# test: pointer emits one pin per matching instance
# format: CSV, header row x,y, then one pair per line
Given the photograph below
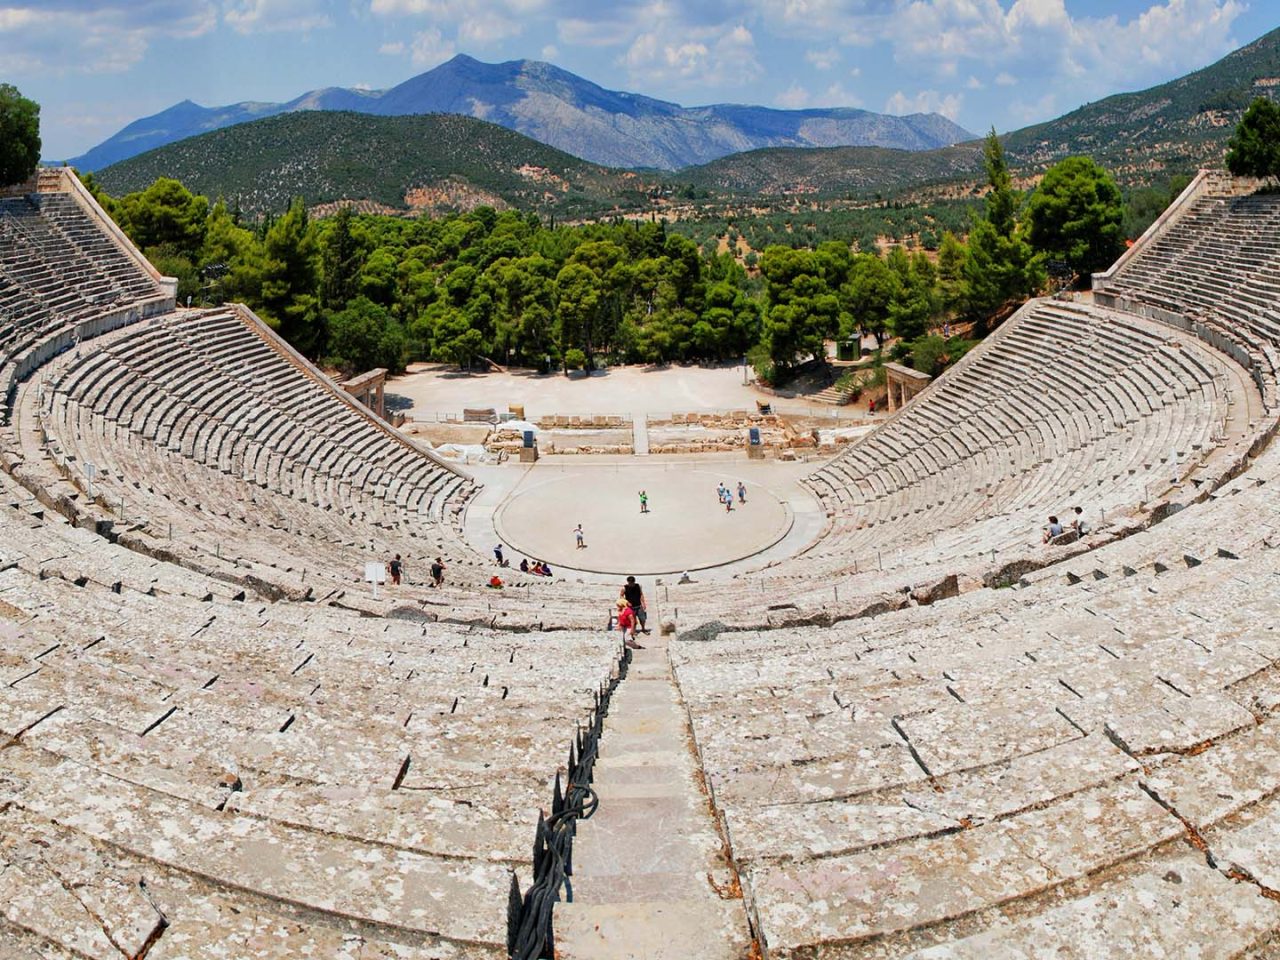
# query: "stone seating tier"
x,y
865,769
1218,265
158,726
964,478
62,278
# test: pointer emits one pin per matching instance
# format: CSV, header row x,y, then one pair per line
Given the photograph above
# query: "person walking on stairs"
x,y
627,624
633,594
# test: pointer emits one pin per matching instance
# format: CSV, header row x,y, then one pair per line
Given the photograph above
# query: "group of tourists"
x,y
725,496
536,567
395,571
1054,528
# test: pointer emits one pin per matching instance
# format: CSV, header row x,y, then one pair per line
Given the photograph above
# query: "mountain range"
x,y
1143,138
442,161
562,110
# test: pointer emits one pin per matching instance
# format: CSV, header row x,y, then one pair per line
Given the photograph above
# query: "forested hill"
x,y
834,171
425,162
1176,126
1143,138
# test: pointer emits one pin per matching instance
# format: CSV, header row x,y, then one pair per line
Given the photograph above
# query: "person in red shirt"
x,y
627,624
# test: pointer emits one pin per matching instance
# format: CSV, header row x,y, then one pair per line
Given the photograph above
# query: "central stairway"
x,y
651,878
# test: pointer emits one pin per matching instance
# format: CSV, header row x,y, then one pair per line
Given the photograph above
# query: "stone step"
x,y
650,875
650,930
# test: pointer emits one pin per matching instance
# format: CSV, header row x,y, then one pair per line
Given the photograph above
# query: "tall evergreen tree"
x,y
1000,267
289,280
340,262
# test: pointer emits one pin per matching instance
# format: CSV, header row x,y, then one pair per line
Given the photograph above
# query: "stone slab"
x,y
1253,850
1178,723
1180,909
651,931
462,900
1222,780
903,886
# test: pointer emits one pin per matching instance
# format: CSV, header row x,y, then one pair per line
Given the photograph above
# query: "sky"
x,y
96,65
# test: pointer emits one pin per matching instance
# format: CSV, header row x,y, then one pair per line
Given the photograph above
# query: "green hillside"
x,y
833,171
1142,137
429,162
1175,127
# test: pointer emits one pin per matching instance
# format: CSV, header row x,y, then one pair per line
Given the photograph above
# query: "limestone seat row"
x,y
247,760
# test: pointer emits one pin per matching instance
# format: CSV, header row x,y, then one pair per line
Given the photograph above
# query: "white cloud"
x,y
837,96
585,32
794,97
550,52
1033,111
675,54
1006,79
475,23
273,16
483,31
60,36
973,83
1035,40
393,49
430,49
823,59
925,101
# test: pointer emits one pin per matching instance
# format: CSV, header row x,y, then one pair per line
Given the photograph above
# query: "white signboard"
x,y
375,573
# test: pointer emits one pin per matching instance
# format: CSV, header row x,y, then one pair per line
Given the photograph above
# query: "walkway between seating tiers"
x,y
640,434
651,878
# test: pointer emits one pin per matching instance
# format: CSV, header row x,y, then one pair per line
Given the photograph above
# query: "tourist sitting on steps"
x,y
1054,529
1079,524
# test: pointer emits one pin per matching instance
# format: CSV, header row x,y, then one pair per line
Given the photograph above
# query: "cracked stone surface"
x,y
1180,909
236,752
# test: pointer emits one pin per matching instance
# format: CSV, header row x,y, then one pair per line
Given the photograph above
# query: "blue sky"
x,y
95,65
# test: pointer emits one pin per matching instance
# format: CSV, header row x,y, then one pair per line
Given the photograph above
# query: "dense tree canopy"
x,y
367,290
1254,147
1077,215
19,135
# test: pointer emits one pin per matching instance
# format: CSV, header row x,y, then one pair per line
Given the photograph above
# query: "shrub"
x,y
759,359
